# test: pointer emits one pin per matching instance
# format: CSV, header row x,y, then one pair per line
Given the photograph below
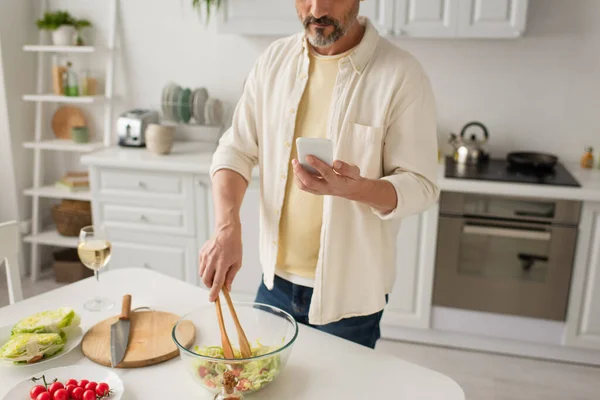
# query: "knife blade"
x,y
119,333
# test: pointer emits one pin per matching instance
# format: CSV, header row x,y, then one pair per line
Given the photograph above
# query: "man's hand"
x,y
344,180
221,259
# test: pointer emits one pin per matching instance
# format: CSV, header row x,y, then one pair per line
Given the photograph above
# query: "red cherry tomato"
x,y
102,389
82,383
61,394
89,395
202,371
70,388
55,386
91,386
77,393
44,396
71,382
36,391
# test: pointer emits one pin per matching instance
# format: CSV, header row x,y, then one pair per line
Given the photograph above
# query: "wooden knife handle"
x,y
126,308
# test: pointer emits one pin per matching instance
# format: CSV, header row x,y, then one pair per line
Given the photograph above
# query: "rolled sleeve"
x,y
410,151
238,147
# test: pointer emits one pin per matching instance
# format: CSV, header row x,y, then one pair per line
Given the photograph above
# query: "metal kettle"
x,y
469,150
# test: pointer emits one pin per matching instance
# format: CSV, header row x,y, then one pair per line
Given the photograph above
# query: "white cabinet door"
x,y
249,277
426,18
259,17
279,18
380,13
583,315
492,18
409,304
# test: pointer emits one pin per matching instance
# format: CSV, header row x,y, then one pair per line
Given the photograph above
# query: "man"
x,y
327,244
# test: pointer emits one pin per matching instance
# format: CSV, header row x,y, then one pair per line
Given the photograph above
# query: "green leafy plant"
x,y
208,5
54,20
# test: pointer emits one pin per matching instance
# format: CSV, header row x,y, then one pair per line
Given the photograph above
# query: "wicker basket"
x,y
69,219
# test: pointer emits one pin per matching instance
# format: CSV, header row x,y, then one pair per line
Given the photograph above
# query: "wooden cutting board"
x,y
150,340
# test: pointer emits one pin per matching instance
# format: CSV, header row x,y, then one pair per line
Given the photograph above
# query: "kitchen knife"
x,y
119,333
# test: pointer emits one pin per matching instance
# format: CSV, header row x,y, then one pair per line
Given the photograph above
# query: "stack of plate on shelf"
x,y
191,106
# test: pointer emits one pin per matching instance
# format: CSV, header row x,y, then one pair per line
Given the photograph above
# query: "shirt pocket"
x,y
362,146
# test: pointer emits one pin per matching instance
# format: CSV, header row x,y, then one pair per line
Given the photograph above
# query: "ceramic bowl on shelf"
x,y
159,138
271,332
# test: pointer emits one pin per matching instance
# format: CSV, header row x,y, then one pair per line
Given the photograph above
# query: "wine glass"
x,y
94,253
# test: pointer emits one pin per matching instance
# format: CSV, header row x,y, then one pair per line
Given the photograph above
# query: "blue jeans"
x,y
295,300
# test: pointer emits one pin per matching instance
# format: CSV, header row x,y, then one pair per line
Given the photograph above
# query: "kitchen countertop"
x,y
321,366
195,157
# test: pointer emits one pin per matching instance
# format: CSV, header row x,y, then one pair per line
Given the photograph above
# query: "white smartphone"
x,y
319,148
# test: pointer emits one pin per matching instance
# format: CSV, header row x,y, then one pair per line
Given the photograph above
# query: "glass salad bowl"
x,y
270,331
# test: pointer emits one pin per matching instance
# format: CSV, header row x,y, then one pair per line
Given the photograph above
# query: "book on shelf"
x,y
74,182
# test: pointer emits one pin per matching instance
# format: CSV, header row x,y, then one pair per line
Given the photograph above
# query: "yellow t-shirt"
x,y
302,212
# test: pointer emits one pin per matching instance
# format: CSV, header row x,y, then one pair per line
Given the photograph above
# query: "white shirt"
x,y
382,119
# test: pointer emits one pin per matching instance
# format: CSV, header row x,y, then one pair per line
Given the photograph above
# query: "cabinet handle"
x,y
142,184
146,265
143,218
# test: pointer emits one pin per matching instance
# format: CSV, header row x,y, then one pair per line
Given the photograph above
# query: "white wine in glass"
x,y
94,253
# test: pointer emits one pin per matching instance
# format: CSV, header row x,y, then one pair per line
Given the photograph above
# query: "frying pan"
x,y
531,160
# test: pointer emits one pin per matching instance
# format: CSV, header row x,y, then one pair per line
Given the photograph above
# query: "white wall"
x,y
540,92
16,29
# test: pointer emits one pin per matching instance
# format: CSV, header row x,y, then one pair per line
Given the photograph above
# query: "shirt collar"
x,y
362,53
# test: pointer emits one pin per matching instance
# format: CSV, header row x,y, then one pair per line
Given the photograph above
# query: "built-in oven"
x,y
505,255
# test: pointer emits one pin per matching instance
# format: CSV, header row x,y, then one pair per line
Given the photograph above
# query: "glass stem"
x,y
97,276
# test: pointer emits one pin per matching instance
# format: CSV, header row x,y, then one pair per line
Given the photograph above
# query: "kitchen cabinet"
x,y
426,18
492,18
393,18
583,316
409,304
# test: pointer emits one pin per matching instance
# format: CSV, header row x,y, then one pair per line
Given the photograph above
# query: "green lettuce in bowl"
x,y
54,321
32,347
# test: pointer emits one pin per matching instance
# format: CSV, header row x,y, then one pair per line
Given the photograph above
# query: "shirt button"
x,y
274,242
283,176
292,110
303,76
287,144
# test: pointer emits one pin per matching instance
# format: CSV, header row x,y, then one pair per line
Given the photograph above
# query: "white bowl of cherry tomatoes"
x,y
69,383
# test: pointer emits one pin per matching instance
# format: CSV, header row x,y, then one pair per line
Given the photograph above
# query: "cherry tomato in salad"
x,y
55,386
44,396
102,389
82,383
89,395
202,371
91,386
70,388
71,382
61,394
77,393
36,391
210,384
243,385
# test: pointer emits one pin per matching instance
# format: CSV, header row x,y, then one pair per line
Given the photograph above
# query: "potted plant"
x,y
63,27
208,5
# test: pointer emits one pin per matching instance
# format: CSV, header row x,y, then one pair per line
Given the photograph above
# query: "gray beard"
x,y
319,40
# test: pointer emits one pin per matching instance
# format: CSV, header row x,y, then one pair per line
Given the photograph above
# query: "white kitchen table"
x,y
321,366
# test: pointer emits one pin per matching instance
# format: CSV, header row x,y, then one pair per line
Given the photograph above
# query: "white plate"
x,y
74,336
199,102
92,373
213,112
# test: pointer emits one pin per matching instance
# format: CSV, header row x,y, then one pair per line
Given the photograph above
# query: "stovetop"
x,y
499,170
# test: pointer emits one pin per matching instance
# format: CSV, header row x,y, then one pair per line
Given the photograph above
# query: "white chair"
x,y
9,253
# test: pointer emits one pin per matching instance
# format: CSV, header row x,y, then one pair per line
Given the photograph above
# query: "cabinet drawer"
x,y
146,218
132,182
167,260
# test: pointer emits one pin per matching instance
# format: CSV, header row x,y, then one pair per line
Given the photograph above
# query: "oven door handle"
x,y
506,232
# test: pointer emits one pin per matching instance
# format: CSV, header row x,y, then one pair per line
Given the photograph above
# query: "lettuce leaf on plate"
x,y
47,322
29,346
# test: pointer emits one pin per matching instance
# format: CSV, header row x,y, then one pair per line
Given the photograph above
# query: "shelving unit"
x,y
52,98
64,145
48,48
48,235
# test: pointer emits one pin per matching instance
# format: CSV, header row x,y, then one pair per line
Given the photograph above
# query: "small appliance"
x,y
132,125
